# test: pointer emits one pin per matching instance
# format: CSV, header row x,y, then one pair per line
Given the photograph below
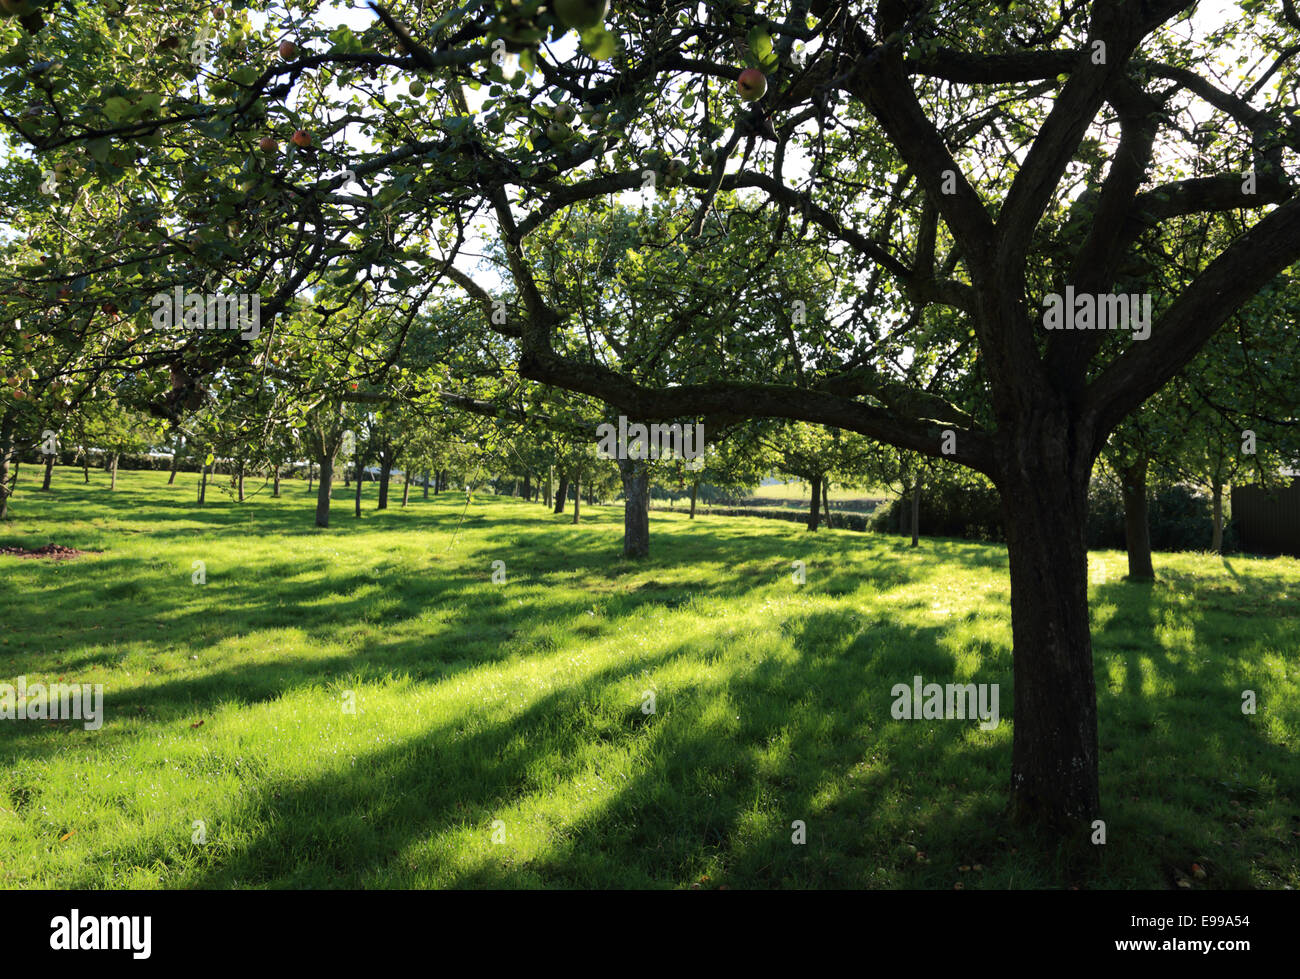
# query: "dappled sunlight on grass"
x,y
362,706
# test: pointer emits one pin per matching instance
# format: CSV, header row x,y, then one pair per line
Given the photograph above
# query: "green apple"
x,y
581,14
15,8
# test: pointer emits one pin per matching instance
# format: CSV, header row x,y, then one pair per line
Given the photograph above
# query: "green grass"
x,y
841,495
521,702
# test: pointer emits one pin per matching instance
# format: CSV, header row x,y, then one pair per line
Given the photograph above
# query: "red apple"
x,y
302,138
288,49
267,144
751,85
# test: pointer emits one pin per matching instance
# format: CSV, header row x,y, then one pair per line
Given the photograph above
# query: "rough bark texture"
x,y
636,507
275,489
916,512
1054,748
6,455
326,483
562,493
426,484
359,463
1216,541
385,474
814,511
1137,525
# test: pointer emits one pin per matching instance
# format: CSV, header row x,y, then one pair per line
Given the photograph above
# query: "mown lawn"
x,y
521,703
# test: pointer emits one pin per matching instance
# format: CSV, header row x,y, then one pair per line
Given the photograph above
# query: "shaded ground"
x,y
364,706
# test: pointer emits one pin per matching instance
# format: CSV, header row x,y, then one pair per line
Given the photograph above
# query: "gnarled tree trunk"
x,y
1216,541
6,458
385,474
562,493
814,511
1137,524
324,487
359,465
636,507
1054,748
916,512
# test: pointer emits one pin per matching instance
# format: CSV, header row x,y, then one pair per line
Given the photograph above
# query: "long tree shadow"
x,y
686,809
1180,758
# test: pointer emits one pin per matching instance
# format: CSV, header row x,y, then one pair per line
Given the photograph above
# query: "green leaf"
x,y
117,108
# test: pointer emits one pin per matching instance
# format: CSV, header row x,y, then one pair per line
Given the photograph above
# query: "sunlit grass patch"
x,y
362,706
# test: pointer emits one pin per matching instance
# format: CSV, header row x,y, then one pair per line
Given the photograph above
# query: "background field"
x,y
521,702
796,493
